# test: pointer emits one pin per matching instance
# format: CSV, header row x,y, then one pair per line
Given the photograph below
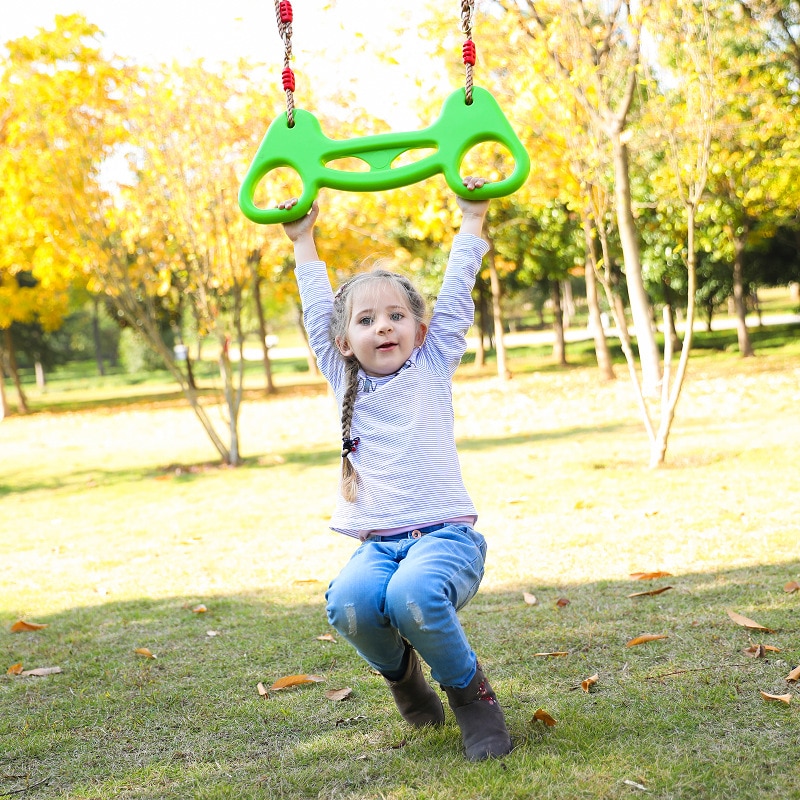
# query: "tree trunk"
x,y
38,369
639,302
602,353
14,370
745,347
262,333
4,409
98,344
497,315
480,349
559,347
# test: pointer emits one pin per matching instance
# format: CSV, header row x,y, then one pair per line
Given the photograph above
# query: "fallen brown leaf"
x,y
781,698
649,576
589,682
644,638
143,651
339,694
746,622
201,609
562,601
327,637
540,715
651,593
793,676
262,690
40,672
791,587
14,669
530,599
295,680
20,625
554,653
760,650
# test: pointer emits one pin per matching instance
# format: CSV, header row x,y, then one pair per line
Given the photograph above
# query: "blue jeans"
x,y
400,587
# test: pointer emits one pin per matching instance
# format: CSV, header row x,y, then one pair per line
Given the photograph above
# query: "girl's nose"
x,y
384,324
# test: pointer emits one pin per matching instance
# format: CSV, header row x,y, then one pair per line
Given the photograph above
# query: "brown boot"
x,y
414,697
483,726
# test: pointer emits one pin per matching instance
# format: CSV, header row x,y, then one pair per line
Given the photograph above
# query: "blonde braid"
x,y
349,474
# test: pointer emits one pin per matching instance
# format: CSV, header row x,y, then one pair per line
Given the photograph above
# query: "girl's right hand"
x,y
295,230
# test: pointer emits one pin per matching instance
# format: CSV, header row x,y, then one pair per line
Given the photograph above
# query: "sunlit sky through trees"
x,y
332,40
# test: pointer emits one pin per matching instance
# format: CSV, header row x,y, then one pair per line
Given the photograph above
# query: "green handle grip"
x,y
306,149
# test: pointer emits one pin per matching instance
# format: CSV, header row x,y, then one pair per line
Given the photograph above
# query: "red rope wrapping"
x,y
288,79
284,16
285,10
469,52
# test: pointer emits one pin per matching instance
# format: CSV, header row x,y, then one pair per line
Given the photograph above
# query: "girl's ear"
x,y
344,347
422,332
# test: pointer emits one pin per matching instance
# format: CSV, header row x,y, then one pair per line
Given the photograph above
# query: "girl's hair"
x,y
340,319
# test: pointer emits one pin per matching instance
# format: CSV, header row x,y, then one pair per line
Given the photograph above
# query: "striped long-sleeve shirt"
x,y
409,475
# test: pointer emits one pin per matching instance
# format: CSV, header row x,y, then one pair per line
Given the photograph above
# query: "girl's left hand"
x,y
473,207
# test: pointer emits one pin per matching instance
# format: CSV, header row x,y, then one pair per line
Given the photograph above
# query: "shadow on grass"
x,y
681,715
188,472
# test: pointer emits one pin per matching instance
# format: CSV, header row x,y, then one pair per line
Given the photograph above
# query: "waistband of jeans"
x,y
415,533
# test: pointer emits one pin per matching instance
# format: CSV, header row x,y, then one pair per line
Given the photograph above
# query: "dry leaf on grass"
x,y
553,653
644,638
201,609
540,715
40,672
760,650
20,625
792,587
339,694
295,680
781,698
649,576
326,637
530,599
14,669
635,785
262,690
746,622
589,682
144,652
651,593
562,601
793,676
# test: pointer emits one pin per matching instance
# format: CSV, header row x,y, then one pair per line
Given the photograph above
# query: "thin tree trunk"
x,y
480,349
745,347
262,333
639,301
601,350
497,316
14,370
559,347
98,344
4,409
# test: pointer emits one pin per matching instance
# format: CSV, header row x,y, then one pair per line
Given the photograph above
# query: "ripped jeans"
x,y
411,588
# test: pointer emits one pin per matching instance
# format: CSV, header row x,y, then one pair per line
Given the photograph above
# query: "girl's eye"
x,y
365,321
396,316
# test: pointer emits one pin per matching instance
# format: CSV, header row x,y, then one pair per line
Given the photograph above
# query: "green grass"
x,y
115,524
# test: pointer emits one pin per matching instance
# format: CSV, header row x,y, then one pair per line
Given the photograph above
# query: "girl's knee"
x,y
350,607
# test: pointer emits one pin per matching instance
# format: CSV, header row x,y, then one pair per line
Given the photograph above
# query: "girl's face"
x,y
382,331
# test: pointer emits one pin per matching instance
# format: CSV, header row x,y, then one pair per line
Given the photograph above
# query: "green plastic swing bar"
x,y
305,149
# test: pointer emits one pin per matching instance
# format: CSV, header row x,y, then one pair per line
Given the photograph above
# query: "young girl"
x,y
402,494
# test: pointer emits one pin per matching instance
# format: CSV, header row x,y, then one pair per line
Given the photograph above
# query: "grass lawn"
x,y
115,527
